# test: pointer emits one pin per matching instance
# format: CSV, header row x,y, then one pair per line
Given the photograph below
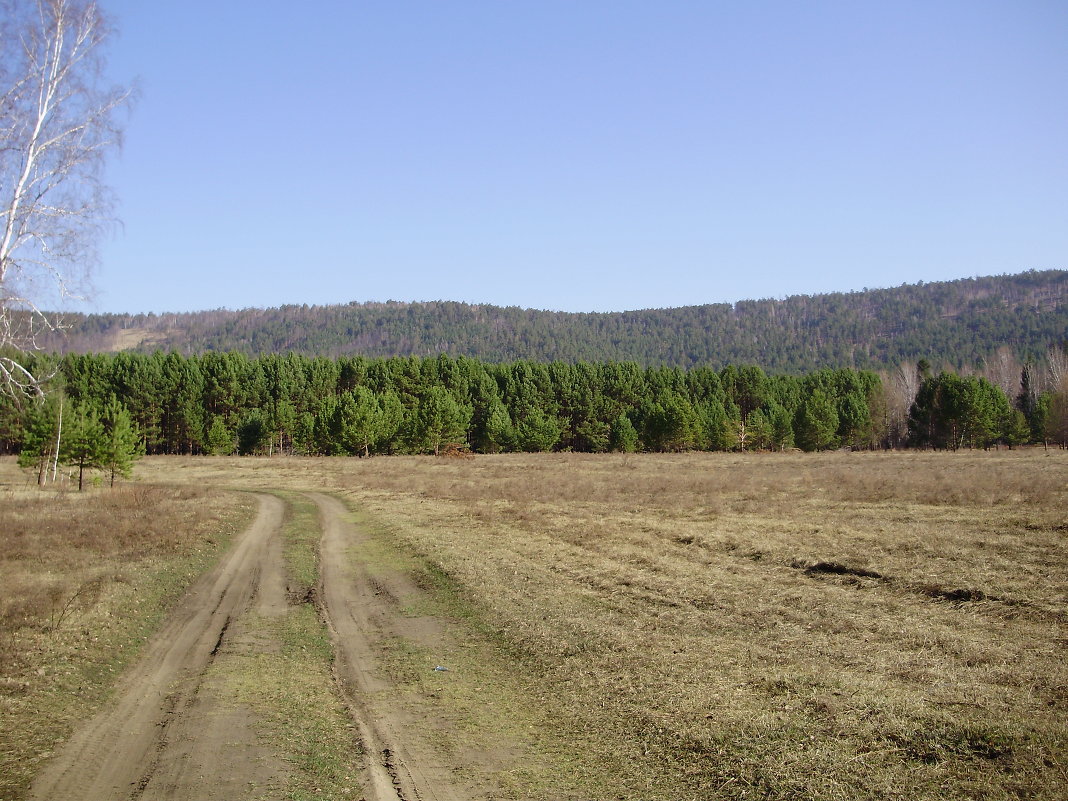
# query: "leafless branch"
x,y
57,125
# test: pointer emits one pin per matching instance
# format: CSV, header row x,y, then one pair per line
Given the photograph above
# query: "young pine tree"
x,y
40,437
84,442
498,433
816,422
219,440
439,420
252,433
123,444
357,420
623,437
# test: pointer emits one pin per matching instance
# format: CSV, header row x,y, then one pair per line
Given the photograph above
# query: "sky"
x,y
581,155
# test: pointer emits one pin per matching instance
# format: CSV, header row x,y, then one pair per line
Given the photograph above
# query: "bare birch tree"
x,y
1057,365
900,388
57,125
1003,369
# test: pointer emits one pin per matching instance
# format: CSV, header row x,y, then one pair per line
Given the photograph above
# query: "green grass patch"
x,y
299,716
301,535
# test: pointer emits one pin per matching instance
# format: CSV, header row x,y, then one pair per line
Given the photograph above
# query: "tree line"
x,y
225,403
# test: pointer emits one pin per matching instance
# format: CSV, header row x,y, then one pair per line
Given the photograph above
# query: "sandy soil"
x,y
171,733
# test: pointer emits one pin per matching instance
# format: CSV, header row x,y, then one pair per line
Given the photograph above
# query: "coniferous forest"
x,y
955,323
224,403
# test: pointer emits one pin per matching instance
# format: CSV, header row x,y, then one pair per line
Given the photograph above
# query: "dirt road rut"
x,y
359,610
139,746
167,733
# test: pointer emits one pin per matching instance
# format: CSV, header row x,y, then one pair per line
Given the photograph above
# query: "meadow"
x,y
825,626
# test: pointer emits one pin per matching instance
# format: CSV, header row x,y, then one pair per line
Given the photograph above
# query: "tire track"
x,y
128,750
401,767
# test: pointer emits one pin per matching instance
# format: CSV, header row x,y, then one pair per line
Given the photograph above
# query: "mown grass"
x,y
751,626
86,578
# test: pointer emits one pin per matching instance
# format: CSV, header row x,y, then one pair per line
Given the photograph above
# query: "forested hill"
x,y
956,323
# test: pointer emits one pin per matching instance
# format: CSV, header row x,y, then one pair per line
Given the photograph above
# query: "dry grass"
x,y
86,577
737,626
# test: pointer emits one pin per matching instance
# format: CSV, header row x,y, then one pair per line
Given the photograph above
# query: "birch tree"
x,y
57,125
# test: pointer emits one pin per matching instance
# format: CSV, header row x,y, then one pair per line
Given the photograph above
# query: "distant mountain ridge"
x,y
958,323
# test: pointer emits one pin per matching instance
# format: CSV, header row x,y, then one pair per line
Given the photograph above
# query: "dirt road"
x,y
171,733
147,743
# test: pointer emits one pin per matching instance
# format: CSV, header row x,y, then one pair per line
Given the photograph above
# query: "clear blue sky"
x,y
581,155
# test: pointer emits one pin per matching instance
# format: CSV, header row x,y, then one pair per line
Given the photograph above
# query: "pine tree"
x,y
499,433
1015,429
84,442
817,422
358,418
182,412
623,436
1027,400
439,420
252,433
390,422
123,444
40,432
854,418
537,431
782,429
718,424
592,436
323,439
219,440
758,431
1056,418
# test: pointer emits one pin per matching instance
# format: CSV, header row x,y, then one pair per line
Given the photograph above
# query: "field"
x,y
835,626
